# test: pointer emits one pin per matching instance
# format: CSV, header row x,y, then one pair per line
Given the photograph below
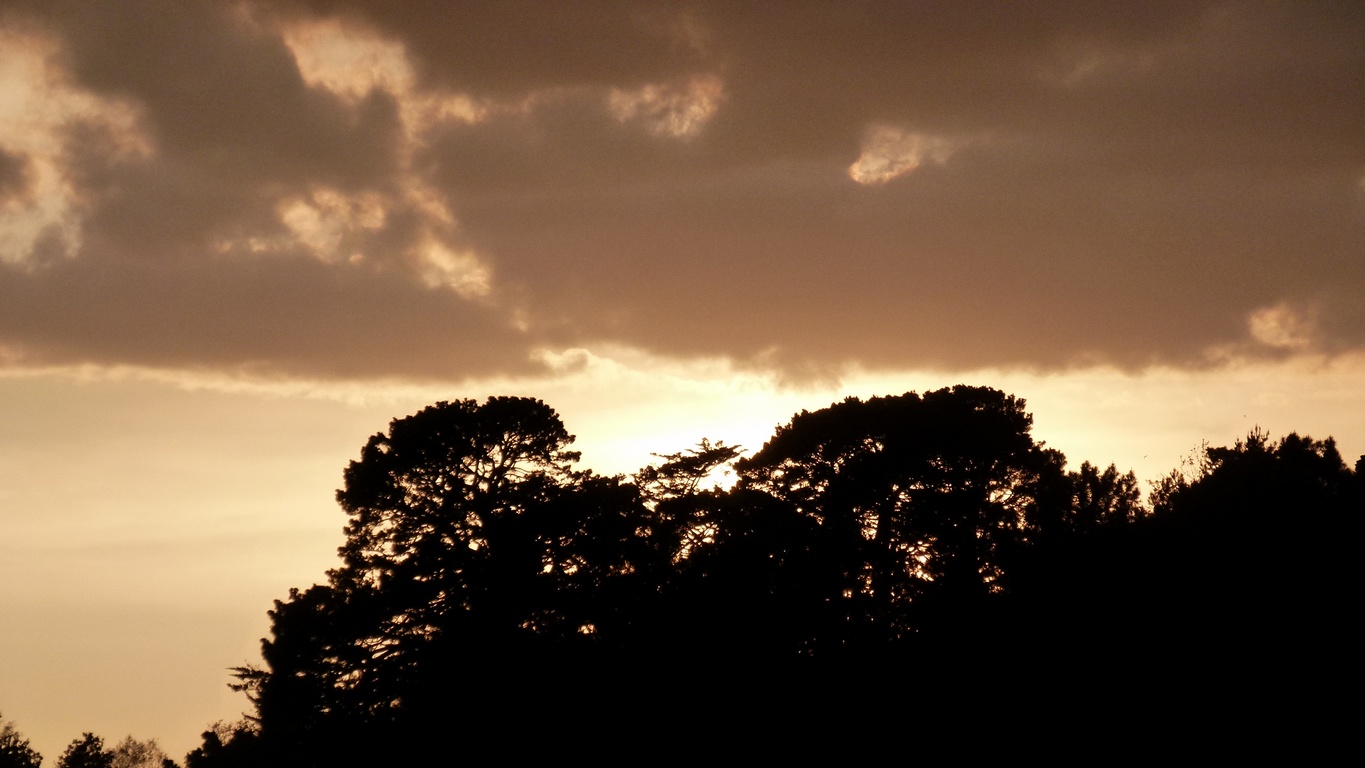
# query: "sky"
x,y
237,238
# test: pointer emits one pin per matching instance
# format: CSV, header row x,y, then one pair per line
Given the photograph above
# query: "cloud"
x,y
269,316
504,51
888,152
668,110
14,176
903,186
197,204
352,61
1282,327
40,220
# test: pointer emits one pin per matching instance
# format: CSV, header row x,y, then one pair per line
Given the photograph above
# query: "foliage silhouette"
x,y
921,500
1100,499
132,753
483,573
86,752
230,745
15,751
472,541
1248,560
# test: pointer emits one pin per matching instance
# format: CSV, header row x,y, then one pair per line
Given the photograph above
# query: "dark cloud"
x,y
1133,182
272,317
15,175
184,259
507,49
223,97
1128,183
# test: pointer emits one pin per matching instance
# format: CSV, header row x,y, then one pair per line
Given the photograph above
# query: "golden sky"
x,y
236,238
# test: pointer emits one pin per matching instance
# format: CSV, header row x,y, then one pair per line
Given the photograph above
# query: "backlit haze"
x,y
236,239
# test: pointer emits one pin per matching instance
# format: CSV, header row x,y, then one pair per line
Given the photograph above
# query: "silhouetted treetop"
x,y
471,539
86,752
681,474
1103,498
1261,474
900,529
435,484
15,751
1248,562
926,494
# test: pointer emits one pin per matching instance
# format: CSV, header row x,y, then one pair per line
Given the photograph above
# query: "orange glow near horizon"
x,y
148,498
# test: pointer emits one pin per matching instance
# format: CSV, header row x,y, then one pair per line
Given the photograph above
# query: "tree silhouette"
x,y
920,500
15,751
472,541
1248,559
1102,498
86,752
681,474
230,745
483,576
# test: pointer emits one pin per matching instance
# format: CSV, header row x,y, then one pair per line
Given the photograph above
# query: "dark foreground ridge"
x,y
898,556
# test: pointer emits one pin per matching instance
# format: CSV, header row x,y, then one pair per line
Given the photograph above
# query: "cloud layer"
x,y
437,191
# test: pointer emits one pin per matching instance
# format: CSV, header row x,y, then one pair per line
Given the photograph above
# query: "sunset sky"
x,y
237,238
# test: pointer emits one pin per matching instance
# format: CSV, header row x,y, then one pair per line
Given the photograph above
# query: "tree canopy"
x,y
86,752
922,498
15,751
887,529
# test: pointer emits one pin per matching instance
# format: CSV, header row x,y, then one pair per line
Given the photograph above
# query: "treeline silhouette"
x,y
88,751
880,557
905,543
